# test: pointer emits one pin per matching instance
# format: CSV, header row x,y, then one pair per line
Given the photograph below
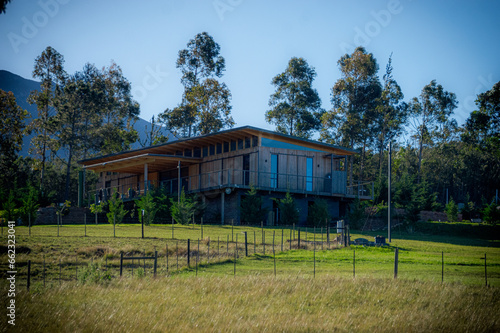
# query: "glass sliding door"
x,y
309,174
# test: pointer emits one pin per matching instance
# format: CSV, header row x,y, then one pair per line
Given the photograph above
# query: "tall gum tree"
x,y
296,106
49,70
429,116
352,119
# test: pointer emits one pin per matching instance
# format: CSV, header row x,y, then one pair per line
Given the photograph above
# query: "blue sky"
x,y
453,42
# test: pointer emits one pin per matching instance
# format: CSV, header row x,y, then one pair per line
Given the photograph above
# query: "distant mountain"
x,y
22,87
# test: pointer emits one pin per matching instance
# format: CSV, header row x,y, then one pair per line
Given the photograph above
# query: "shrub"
x,y
93,273
182,211
491,213
146,203
251,209
452,211
289,213
318,214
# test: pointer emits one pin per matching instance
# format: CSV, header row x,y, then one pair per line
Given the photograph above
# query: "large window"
x,y
274,171
246,169
309,174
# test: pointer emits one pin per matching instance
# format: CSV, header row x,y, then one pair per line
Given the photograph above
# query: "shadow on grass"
x,y
467,234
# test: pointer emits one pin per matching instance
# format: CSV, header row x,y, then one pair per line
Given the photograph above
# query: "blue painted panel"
x,y
285,145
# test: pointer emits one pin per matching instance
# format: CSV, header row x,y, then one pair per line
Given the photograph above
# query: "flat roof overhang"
x,y
135,164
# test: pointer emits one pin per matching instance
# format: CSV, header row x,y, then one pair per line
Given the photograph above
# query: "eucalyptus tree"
x,y
205,104
430,116
352,120
49,70
296,106
391,113
12,129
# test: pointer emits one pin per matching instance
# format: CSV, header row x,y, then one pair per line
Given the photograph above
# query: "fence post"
x,y
314,255
29,275
442,266
396,255
282,233
156,261
246,245
354,264
485,273
189,250
121,264
44,271
298,239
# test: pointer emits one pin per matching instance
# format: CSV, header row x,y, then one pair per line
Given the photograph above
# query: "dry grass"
x,y
260,304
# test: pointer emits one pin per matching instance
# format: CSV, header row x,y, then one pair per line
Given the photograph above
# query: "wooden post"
x,y
198,257
282,234
314,254
274,256
155,264
298,239
142,224
121,264
236,243
188,251
485,272
321,238
442,266
396,255
246,245
254,243
29,275
354,264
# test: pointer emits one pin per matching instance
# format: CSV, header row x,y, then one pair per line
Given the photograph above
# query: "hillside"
x,y
22,87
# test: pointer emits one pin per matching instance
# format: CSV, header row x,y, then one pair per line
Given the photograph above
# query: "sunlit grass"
x,y
260,303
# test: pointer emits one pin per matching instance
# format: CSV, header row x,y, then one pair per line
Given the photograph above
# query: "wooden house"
x,y
221,167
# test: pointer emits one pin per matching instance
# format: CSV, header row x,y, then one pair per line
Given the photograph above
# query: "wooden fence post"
x,y
485,273
29,275
156,263
396,257
121,264
188,252
246,245
314,254
354,264
442,266
282,233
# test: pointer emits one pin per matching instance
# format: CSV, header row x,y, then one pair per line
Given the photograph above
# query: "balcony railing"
x,y
333,184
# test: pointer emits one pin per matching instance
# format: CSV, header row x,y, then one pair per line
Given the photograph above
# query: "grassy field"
x,y
306,289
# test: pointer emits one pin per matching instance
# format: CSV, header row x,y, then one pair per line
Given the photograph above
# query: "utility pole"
x,y
389,167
